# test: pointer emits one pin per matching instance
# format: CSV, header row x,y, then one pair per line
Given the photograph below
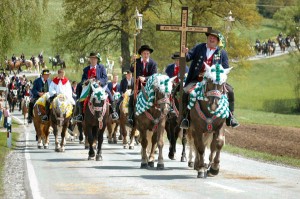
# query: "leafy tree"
x,y
19,19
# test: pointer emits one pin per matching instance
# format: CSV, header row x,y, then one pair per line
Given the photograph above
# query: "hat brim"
x,y
214,34
143,49
92,57
175,57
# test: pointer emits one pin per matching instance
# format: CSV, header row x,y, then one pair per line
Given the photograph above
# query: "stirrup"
x,y
114,116
44,118
185,123
234,123
78,118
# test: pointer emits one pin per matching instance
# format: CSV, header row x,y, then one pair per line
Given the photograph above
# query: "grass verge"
x,y
262,156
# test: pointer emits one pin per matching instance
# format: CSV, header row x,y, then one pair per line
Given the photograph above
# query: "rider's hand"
x,y
40,93
186,50
142,79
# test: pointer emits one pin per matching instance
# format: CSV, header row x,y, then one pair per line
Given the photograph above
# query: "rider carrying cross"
x,y
211,53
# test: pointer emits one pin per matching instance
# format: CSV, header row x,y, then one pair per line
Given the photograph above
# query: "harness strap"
x,y
209,121
155,121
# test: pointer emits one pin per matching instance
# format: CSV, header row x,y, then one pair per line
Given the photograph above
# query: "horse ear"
x,y
227,70
93,88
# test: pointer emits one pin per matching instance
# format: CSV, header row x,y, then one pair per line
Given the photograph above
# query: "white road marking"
x,y
36,194
225,187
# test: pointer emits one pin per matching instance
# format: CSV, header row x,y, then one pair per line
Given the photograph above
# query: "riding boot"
x,y
47,109
185,123
30,112
231,121
114,114
79,117
130,119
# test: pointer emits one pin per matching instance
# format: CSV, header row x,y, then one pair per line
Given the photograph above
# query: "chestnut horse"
x,y
208,110
60,115
151,113
41,128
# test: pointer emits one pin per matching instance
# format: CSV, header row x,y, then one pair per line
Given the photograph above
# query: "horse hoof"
x,y
46,147
144,165
91,158
62,150
213,172
160,166
120,137
86,147
57,150
81,142
110,142
171,156
183,159
98,157
125,147
115,141
202,174
131,147
151,164
191,164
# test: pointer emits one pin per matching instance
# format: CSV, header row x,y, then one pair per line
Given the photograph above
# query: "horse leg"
x,y
100,141
144,143
199,160
109,129
184,141
79,127
123,133
63,137
216,146
55,131
171,138
131,137
46,138
160,144
91,142
115,141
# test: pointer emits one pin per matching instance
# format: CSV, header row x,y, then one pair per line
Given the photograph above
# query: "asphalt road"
x,y
71,175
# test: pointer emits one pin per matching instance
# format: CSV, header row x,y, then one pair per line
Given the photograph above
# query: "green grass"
x,y
4,150
262,156
268,85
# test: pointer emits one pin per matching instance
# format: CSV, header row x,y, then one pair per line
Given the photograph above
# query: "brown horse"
x,y
12,67
41,128
28,64
112,125
151,113
96,114
207,117
123,123
25,105
12,98
60,115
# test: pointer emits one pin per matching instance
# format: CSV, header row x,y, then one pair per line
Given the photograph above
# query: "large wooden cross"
x,y
183,29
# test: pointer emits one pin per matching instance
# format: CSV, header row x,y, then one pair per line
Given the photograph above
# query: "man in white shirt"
x,y
59,84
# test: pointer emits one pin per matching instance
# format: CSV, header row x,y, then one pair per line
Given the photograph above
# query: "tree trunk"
x,y
125,50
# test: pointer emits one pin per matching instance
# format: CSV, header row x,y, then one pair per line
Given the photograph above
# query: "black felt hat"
x,y
145,47
45,72
93,55
127,72
176,55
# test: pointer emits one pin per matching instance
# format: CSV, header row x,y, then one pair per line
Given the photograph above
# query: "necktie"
x,y
46,86
145,66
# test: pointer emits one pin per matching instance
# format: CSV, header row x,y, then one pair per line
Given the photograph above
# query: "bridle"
x,y
102,109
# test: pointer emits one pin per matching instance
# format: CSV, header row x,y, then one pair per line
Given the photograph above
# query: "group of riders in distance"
x,y
34,63
268,48
94,104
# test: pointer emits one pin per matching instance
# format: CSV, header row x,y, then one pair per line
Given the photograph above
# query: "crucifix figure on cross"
x,y
184,28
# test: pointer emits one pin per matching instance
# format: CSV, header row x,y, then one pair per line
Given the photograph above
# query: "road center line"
x,y
225,187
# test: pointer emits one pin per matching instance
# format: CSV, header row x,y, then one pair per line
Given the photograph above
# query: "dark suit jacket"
x,y
198,56
38,86
151,68
100,72
124,85
170,70
110,87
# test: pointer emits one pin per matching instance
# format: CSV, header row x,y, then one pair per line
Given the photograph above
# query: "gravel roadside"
x,y
15,176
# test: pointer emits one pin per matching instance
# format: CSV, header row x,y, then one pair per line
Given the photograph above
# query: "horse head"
x,y
61,108
97,103
215,78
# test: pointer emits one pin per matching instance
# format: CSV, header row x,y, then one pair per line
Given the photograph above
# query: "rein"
x,y
209,121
